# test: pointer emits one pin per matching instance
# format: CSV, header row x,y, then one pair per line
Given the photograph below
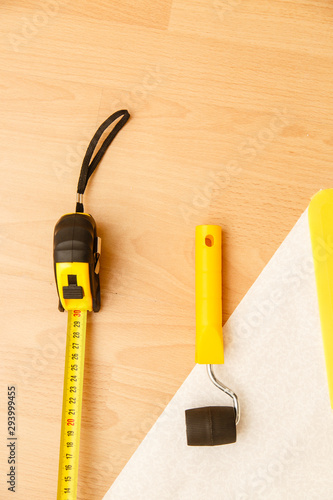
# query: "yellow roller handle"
x,y
208,292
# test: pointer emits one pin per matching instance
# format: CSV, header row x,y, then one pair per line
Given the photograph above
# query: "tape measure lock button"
x,y
72,290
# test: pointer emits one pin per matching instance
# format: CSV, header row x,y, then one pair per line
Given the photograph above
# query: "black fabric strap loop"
x,y
89,165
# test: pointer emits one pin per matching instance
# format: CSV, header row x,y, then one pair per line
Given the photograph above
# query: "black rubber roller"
x,y
210,426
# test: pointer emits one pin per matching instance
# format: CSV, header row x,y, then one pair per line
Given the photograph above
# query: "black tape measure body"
x,y
75,243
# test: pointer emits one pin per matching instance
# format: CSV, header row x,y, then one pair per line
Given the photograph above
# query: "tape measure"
x,y
76,255
76,264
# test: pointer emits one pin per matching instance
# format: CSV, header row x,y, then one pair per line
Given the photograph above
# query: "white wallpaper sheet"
x,y
274,361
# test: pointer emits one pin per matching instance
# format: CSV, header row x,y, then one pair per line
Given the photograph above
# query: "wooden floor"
x,y
231,108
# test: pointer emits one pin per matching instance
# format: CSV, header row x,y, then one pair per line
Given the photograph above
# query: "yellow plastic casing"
x,y
208,291
81,270
321,230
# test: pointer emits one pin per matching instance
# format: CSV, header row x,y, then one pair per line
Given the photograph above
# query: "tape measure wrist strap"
x,y
89,165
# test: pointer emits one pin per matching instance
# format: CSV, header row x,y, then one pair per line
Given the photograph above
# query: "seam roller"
x,y
212,425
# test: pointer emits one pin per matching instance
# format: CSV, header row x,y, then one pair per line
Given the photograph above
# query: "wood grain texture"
x,y
231,106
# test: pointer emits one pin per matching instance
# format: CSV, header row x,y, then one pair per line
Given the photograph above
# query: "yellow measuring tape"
x,y
72,404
